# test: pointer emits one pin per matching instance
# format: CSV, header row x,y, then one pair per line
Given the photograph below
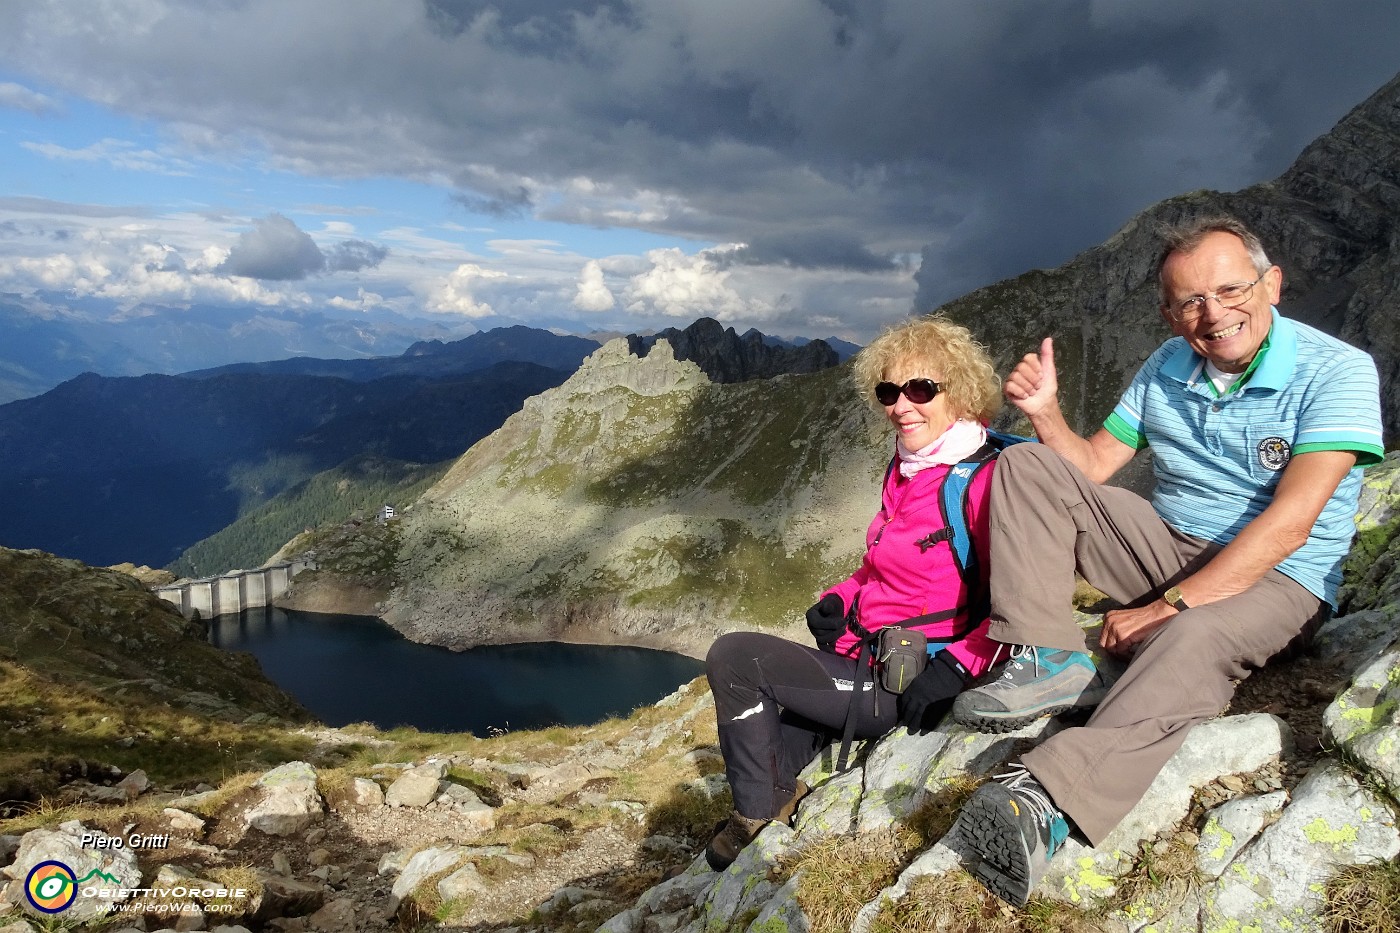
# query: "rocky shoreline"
x,y
440,624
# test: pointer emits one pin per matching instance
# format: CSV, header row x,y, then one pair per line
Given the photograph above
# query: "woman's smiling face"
x,y
922,424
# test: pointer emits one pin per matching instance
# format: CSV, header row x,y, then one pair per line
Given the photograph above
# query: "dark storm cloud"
x,y
275,249
990,137
531,26
806,250
354,255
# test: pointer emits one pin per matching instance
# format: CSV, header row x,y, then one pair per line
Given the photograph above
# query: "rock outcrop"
x,y
725,356
91,652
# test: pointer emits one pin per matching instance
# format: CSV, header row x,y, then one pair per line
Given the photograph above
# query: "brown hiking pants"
x,y
1049,520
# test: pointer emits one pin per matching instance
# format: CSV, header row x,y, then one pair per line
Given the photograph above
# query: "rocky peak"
x,y
617,365
728,357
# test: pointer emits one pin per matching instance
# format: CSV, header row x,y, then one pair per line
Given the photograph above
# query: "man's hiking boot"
x,y
1036,682
1014,826
733,834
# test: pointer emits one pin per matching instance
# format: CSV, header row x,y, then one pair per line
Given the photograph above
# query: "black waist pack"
x,y
902,654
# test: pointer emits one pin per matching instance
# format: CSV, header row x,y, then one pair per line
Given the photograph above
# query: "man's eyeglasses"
x,y
917,391
1229,296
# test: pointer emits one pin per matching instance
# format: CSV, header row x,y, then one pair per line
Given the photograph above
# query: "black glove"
x,y
827,620
924,702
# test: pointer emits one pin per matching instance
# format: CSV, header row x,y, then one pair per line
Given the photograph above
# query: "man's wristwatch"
x,y
1173,598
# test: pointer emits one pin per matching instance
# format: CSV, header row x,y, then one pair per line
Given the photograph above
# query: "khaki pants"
x,y
1048,520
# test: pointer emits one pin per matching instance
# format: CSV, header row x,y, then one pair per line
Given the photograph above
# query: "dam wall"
x,y
232,592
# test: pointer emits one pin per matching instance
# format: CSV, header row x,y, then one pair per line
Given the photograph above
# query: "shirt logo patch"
x,y
1274,453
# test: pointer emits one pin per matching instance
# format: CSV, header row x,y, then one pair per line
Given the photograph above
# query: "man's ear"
x,y
1273,280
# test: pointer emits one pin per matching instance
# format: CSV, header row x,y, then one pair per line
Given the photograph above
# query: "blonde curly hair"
x,y
930,346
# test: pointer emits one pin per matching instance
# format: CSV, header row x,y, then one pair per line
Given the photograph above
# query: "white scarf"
x,y
953,446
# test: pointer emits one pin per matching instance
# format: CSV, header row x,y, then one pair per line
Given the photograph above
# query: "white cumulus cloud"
x,y
456,293
682,286
593,293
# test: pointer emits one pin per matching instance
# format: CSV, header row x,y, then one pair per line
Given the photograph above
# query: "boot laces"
x,y
1020,654
1030,791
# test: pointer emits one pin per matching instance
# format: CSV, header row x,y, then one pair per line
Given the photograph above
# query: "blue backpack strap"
x,y
953,503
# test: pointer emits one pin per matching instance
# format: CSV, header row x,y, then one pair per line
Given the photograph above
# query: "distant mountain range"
x,y
111,469
844,348
46,342
140,468
722,354
432,359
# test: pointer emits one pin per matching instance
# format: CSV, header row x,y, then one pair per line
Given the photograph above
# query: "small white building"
x,y
386,513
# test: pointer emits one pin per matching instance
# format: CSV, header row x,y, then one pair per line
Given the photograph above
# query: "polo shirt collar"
x,y
1275,367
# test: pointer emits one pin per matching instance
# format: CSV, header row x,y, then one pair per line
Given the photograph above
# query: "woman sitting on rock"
x,y
777,702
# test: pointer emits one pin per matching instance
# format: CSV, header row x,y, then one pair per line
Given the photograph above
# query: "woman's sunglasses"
x,y
917,391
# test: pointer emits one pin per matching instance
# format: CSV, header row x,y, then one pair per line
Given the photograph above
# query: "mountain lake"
x,y
348,669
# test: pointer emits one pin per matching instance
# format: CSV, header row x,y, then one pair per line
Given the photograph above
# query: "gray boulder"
x,y
1364,720
1276,881
366,794
420,867
1232,826
289,801
416,787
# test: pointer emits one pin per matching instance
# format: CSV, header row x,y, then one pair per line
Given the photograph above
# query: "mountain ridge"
x,y
434,358
590,485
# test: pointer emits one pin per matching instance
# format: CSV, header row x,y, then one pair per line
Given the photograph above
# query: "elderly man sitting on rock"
x,y
1258,427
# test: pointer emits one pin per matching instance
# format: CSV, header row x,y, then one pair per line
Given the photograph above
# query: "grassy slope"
x,y
89,659
361,484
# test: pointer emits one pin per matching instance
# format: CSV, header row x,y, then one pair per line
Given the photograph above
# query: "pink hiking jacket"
x,y
902,576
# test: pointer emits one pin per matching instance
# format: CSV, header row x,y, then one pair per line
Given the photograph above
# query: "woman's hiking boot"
x,y
733,834
1036,682
789,809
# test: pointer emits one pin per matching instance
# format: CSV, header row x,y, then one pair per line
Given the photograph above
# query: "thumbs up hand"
x,y
1032,386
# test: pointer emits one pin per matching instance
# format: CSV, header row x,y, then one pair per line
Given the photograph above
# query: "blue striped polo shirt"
x,y
1218,459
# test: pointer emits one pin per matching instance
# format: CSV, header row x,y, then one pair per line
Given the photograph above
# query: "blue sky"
x,y
804,167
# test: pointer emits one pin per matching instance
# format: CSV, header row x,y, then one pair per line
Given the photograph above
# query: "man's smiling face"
x,y
1228,337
